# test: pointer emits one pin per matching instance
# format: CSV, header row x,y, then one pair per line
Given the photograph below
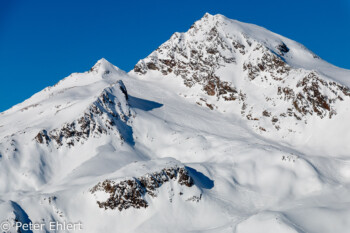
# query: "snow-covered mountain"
x,y
275,83
227,127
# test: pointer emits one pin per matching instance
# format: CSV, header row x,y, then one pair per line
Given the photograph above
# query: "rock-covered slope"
x,y
262,74
110,113
133,192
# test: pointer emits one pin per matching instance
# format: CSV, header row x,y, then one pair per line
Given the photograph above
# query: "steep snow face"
x,y
274,83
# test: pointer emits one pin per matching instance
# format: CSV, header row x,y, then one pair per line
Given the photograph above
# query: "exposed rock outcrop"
x,y
110,113
131,192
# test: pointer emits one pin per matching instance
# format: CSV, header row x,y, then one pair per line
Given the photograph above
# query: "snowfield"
x,y
227,127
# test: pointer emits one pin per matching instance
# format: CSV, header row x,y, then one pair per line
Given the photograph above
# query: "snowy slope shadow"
x,y
201,180
126,132
142,104
136,103
21,216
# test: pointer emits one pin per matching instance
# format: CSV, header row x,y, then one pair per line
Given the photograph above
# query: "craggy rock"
x,y
42,137
195,63
315,96
131,192
283,48
102,117
267,62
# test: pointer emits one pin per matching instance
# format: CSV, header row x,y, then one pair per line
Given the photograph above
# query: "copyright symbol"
x,y
5,226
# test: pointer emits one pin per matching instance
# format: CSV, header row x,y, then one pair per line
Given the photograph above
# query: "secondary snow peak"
x,y
104,67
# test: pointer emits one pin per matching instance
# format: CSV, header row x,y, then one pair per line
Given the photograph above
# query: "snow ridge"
x,y
110,113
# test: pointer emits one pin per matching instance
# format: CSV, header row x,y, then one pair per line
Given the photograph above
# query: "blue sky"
x,y
44,41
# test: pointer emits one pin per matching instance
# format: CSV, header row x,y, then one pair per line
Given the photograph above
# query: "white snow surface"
x,y
248,181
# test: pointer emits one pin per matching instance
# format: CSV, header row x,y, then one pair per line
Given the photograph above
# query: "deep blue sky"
x,y
44,41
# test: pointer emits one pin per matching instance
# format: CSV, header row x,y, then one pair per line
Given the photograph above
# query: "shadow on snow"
x,y
137,103
142,104
201,180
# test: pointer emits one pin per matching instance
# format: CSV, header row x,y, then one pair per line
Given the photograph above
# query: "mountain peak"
x,y
226,58
206,15
104,67
210,20
216,16
103,60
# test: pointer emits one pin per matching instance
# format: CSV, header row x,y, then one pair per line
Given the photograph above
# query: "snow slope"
x,y
188,141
